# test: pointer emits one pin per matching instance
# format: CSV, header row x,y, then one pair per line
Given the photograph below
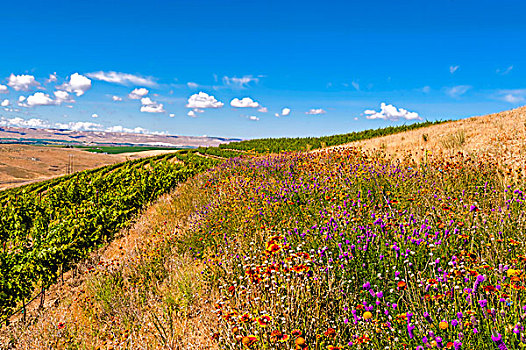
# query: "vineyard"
x,y
342,249
47,227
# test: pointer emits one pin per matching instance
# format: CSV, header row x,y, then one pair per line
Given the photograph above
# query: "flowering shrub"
x,y
343,249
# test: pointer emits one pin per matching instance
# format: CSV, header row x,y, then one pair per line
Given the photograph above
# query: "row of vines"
x,y
47,227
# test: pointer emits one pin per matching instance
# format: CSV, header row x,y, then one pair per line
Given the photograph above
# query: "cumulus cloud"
x,y
171,115
37,99
3,89
21,98
62,96
19,122
192,85
191,114
52,78
116,98
137,94
5,103
390,112
149,106
263,110
457,91
122,78
120,128
79,126
22,82
245,102
253,117
316,111
239,83
285,111
453,69
94,115
203,100
78,84
512,96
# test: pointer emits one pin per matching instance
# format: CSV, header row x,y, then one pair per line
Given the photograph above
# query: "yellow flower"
x,y
512,272
443,325
367,315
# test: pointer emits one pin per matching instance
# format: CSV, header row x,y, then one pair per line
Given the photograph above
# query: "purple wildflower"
x,y
498,341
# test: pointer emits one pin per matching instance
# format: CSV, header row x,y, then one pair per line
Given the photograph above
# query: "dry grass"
x,y
142,291
501,135
22,164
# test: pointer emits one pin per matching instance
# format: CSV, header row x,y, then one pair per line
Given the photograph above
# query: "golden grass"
x,y
500,135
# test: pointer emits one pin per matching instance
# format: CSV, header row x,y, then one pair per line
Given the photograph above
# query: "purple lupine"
x,y
498,341
454,323
409,316
457,344
410,329
480,278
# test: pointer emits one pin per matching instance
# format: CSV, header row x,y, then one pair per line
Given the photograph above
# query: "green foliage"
x,y
46,228
276,145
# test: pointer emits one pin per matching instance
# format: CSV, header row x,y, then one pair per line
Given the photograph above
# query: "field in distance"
x,y
22,164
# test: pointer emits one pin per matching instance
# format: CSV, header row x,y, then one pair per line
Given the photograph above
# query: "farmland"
x,y
342,248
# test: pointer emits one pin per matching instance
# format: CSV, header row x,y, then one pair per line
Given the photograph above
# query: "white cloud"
x,y
122,78
62,96
3,89
22,82
171,115
78,84
136,94
31,123
116,98
52,78
356,85
5,103
239,83
285,111
253,117
79,126
38,99
426,89
245,102
191,114
203,100
453,69
512,96
457,91
263,110
390,112
21,98
504,71
149,106
94,115
192,85
120,128
316,111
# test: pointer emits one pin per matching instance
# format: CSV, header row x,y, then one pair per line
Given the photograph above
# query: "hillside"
x,y
501,136
401,241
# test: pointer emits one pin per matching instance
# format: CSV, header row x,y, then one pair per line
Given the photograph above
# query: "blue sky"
x,y
329,64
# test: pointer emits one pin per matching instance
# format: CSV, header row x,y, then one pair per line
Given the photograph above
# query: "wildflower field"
x,y
345,249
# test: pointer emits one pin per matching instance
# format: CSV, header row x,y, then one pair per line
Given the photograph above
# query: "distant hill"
x,y
36,136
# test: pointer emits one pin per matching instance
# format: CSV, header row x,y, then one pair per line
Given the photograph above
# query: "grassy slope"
x,y
89,311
